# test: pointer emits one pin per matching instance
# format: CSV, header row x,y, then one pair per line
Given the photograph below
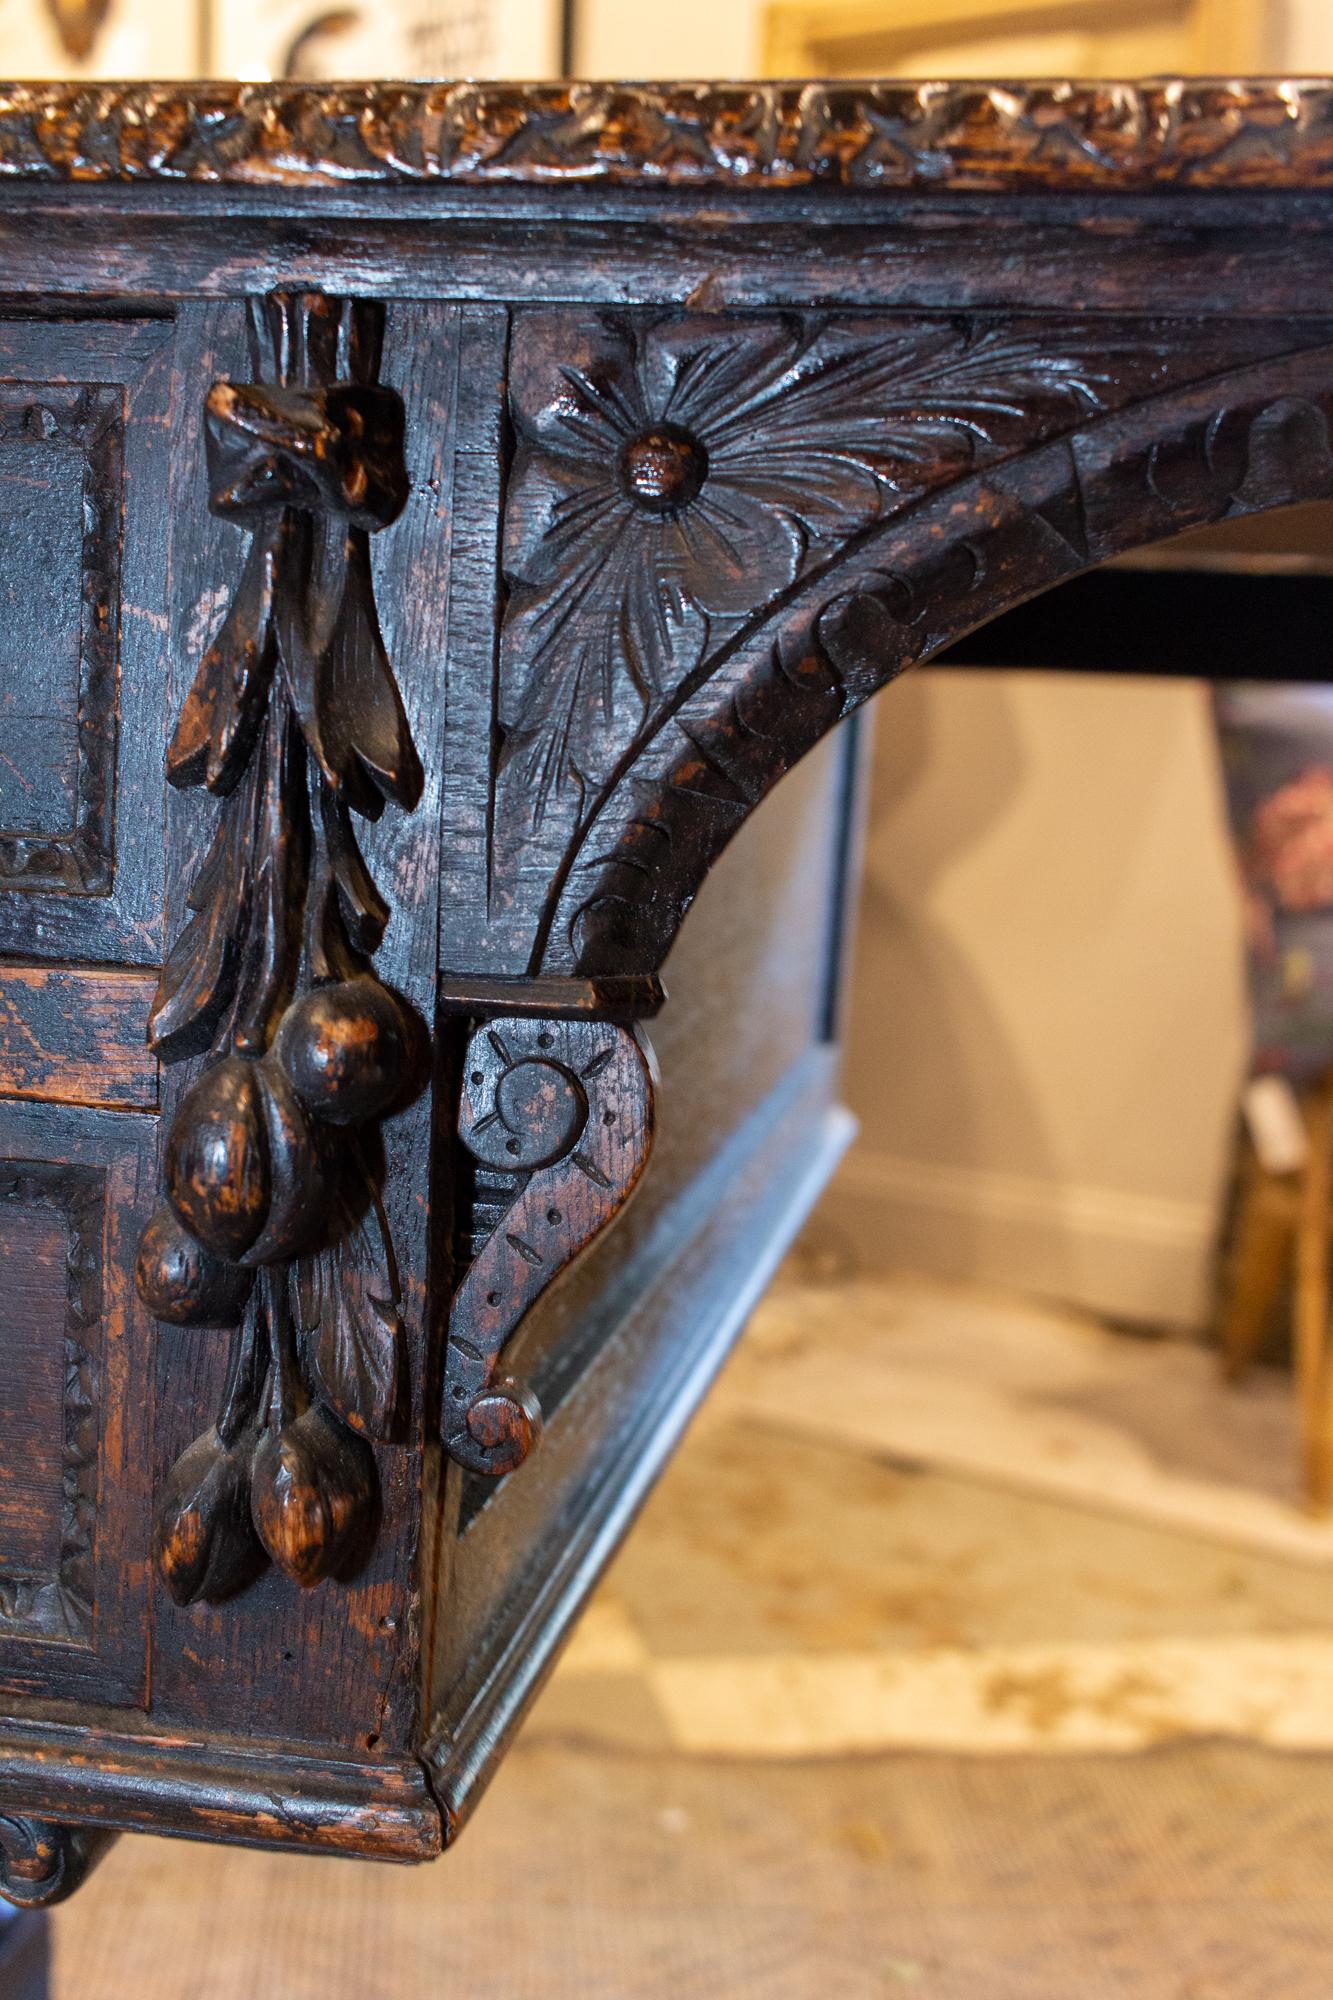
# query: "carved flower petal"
x,y
834,492
690,377
557,509
730,552
572,386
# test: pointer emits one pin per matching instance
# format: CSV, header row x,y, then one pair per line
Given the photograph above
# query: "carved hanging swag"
x,y
272,1222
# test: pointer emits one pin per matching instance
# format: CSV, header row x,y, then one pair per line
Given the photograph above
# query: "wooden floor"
x,y
1126,1698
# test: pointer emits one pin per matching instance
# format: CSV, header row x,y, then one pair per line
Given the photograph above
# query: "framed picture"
x,y
100,38
370,38
1087,38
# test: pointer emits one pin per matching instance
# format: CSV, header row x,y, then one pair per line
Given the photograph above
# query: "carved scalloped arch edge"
x,y
1194,454
1195,133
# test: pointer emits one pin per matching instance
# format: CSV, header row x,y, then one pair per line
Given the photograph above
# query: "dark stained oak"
x,y
77,1035
442,525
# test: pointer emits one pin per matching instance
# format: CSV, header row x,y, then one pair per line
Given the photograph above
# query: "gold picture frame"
x,y
893,37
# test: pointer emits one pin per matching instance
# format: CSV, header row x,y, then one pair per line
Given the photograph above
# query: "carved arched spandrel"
x,y
1234,442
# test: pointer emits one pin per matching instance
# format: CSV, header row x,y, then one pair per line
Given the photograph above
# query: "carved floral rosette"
x,y
272,1222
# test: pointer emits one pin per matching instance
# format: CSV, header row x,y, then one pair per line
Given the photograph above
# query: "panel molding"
x,y
91,417
86,1638
33,1603
89,888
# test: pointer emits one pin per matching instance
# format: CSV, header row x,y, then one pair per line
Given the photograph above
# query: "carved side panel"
x,y
51,1222
73,1404
720,536
1254,438
85,508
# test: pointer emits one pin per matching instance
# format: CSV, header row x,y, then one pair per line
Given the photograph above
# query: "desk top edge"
x,y
1189,134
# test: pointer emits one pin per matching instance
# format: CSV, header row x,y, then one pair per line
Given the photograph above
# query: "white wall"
x,y
682,38
1047,1022
1309,35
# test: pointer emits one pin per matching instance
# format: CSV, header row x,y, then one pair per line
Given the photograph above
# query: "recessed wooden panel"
x,y
77,1035
84,517
60,504
74,1403
50,1303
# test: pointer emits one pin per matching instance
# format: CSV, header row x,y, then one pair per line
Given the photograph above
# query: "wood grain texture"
x,y
75,1036
270,1794
1199,133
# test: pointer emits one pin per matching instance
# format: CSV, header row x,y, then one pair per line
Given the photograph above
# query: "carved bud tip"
x,y
313,1496
244,1171
664,468
301,1174
182,1282
344,1049
203,1541
217,1171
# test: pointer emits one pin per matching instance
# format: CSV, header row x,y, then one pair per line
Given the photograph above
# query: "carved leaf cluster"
x,y
294,721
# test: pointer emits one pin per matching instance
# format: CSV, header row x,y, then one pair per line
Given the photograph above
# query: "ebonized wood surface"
x,y
437,517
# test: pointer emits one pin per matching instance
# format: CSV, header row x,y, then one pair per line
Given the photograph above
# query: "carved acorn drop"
x,y
217,1170
245,1171
301,1173
204,1541
313,1495
182,1282
344,1048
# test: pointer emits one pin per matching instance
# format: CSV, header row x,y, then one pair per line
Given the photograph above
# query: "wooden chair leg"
x,y
1264,1235
1312,1302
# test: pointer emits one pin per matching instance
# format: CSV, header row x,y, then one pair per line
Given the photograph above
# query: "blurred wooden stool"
x,y
1283,1219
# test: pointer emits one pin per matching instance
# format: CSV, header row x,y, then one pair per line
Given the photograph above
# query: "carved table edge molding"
x,y
381,1809
1199,133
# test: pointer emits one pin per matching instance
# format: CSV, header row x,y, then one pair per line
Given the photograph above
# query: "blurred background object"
x,y
259,39
309,40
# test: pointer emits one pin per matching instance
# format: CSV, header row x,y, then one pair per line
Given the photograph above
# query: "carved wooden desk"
x,y
435,517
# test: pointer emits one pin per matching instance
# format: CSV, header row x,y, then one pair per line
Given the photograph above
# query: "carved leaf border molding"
x,y
1204,133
